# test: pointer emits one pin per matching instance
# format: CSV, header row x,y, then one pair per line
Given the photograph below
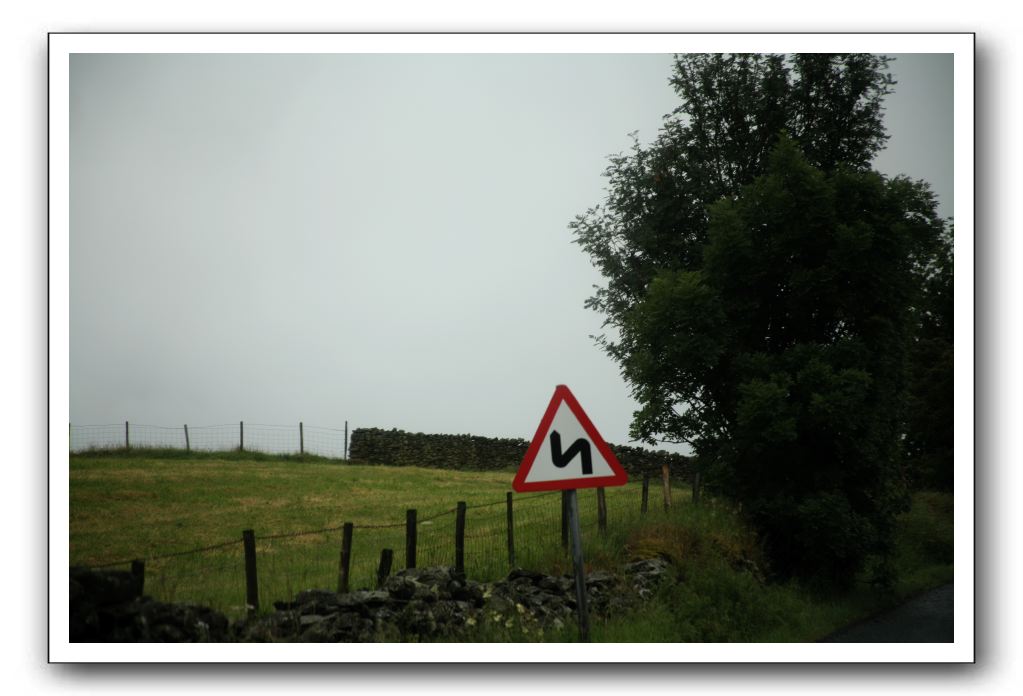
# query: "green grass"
x,y
719,599
131,504
141,504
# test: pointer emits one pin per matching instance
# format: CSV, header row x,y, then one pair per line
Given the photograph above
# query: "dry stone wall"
x,y
475,453
108,607
415,604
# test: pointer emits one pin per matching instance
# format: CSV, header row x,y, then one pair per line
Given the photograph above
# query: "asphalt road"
x,y
926,618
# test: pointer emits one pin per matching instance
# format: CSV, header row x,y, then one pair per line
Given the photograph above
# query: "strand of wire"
x,y
173,554
287,535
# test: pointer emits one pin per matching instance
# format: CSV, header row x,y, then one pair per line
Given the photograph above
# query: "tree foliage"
x,y
733,107
929,441
761,283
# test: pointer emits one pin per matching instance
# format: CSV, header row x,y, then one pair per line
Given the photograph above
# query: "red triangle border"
x,y
562,393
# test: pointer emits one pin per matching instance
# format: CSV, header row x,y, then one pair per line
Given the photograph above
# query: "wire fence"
x,y
255,437
525,530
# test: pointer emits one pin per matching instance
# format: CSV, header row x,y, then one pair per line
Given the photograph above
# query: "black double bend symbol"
x,y
580,446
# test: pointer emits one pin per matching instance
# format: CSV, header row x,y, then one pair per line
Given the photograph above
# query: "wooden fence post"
x,y
511,532
564,519
601,511
345,564
410,538
188,445
138,574
460,538
345,456
646,492
666,481
241,436
251,585
127,442
301,438
696,488
386,558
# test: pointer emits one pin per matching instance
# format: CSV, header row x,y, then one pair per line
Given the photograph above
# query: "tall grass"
x,y
128,505
147,504
722,592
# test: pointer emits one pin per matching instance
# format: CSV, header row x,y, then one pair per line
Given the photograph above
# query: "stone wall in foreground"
x,y
414,604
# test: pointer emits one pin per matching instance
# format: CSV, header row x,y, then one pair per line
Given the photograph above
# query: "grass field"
x,y
146,504
140,505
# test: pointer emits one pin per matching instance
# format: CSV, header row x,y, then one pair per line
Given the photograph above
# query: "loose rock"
x,y
414,604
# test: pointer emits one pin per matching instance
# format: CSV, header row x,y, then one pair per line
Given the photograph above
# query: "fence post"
x,y
601,511
241,436
696,488
127,442
188,445
386,557
345,457
345,565
410,538
251,586
138,574
646,492
301,438
666,481
460,538
511,532
564,519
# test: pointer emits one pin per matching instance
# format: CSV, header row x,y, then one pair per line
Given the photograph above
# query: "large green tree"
x,y
930,418
733,107
760,288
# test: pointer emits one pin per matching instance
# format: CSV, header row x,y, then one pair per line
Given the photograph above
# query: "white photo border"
x,y
62,45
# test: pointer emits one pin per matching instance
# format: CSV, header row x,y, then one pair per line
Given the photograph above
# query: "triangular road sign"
x,y
567,451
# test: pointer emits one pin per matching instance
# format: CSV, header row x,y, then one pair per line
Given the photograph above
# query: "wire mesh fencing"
x,y
519,530
254,437
212,576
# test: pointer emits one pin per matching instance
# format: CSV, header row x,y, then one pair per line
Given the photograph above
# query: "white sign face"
x,y
567,452
567,444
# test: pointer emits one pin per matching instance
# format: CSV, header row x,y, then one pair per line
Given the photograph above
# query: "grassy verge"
x,y
135,504
721,595
146,504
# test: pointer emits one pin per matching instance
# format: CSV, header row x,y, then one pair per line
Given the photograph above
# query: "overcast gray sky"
x,y
380,239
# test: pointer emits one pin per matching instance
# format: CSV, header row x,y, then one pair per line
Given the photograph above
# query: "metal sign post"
x,y
580,571
549,465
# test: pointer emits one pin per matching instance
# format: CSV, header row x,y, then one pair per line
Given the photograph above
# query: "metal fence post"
x,y
579,568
